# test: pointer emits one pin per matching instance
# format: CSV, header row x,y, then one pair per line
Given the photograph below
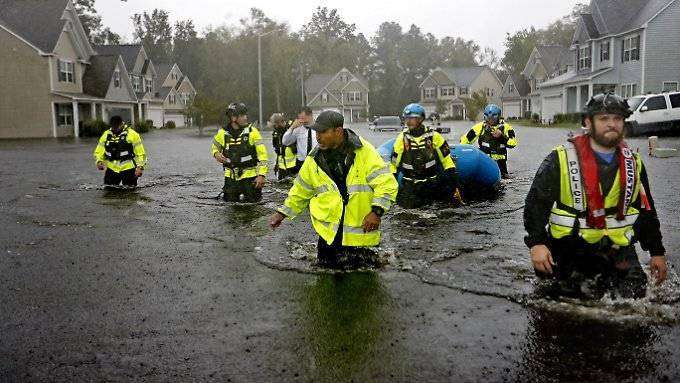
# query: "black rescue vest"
x,y
117,148
239,152
490,145
419,160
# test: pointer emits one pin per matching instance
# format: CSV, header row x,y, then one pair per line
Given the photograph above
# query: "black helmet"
x,y
236,109
607,103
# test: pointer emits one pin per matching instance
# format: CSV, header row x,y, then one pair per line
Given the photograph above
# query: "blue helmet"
x,y
414,110
492,110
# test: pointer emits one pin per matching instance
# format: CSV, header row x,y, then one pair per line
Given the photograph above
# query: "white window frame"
x,y
324,97
429,93
68,70
607,51
584,58
172,99
354,96
511,87
65,112
136,83
629,90
447,91
663,86
148,84
631,52
116,78
463,91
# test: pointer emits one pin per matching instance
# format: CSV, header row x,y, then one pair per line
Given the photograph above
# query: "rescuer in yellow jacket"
x,y
286,155
121,153
346,186
423,158
238,147
495,137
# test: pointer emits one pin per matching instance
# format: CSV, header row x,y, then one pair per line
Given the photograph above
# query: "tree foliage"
x,y
92,24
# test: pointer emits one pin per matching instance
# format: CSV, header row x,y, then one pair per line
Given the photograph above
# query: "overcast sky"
x,y
485,21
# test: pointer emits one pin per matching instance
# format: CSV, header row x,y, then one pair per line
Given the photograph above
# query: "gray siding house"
x,y
344,92
448,87
631,47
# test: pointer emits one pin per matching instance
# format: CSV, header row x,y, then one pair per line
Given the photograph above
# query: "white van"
x,y
654,114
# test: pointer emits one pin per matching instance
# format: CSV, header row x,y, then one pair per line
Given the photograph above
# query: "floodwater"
x,y
167,283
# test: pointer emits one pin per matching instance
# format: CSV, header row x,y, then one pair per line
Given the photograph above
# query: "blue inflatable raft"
x,y
472,165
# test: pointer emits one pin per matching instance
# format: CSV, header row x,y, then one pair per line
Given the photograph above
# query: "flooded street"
x,y
168,283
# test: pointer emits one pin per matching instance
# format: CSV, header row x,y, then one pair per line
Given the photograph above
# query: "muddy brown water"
x,y
167,283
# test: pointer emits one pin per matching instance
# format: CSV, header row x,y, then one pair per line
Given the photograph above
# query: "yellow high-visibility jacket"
x,y
369,183
564,216
120,152
246,153
496,148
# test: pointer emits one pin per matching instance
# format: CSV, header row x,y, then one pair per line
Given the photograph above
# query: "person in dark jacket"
x,y
589,203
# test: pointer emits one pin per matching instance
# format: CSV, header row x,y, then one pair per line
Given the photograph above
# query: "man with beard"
x,y
588,205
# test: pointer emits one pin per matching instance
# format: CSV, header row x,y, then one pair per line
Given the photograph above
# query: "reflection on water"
x,y
560,347
344,321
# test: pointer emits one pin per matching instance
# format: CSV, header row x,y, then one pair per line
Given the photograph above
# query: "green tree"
x,y
458,52
92,24
155,33
475,105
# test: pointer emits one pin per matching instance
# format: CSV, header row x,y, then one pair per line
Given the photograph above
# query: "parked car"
x,y
387,124
654,114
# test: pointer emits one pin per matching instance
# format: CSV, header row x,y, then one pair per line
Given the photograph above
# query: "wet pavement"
x,y
167,283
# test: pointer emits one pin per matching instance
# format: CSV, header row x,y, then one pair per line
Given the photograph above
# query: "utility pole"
x,y
302,84
259,73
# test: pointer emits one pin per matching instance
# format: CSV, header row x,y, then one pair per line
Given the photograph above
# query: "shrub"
x,y
536,118
143,126
93,128
170,125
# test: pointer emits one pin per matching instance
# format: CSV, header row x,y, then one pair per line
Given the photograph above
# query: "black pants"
x,y
283,173
337,256
414,195
583,271
503,166
233,190
126,177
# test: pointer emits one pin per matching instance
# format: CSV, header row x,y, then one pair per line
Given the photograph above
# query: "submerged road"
x,y
167,283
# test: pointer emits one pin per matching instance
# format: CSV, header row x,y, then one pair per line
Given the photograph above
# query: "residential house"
x,y
175,92
631,47
515,100
546,62
141,71
49,81
344,92
448,87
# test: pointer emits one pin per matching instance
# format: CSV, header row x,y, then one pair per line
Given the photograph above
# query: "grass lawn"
x,y
532,124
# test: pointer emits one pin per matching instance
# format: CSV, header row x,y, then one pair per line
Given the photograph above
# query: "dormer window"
x,y
324,97
148,85
511,87
136,83
604,51
116,78
584,60
66,71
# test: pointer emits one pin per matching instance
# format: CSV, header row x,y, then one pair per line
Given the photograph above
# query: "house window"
x,y
631,49
344,78
64,115
448,91
584,61
429,93
324,97
116,78
511,87
489,92
353,96
604,51
463,91
628,90
670,86
173,99
148,85
66,71
655,103
136,82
